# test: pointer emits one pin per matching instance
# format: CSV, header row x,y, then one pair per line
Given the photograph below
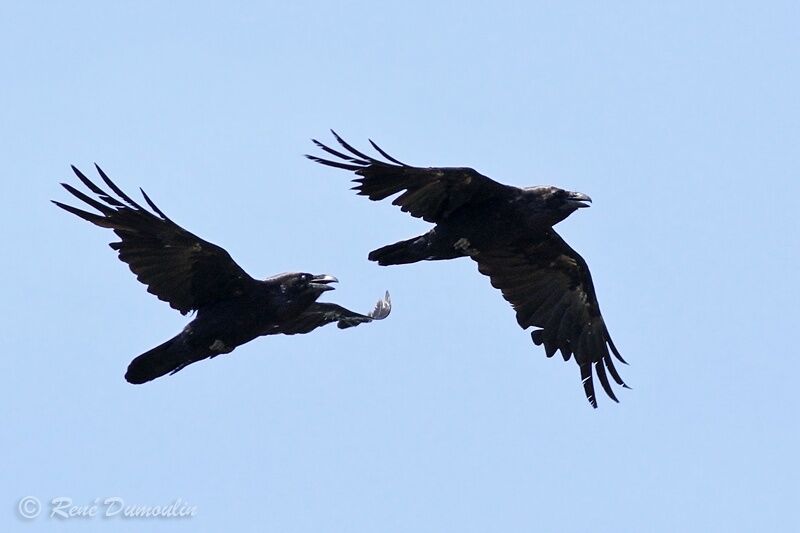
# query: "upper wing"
x,y
319,314
176,265
550,287
430,193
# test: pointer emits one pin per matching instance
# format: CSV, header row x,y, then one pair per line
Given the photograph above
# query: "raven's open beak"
x,y
321,282
577,199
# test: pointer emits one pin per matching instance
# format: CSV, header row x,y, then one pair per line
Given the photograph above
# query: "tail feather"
x,y
167,358
400,253
428,247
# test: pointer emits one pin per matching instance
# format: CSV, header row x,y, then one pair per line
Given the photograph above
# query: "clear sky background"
x,y
682,121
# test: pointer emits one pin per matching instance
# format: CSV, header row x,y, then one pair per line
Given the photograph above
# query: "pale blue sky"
x,y
682,121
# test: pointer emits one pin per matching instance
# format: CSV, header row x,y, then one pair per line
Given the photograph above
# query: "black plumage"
x,y
509,232
192,274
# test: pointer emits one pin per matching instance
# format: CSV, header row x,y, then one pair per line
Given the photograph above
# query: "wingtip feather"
x,y
588,384
382,308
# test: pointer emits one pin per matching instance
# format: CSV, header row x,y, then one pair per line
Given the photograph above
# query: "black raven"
x,y
192,274
509,232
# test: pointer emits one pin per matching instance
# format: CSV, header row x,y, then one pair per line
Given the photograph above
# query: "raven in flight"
x,y
192,274
509,232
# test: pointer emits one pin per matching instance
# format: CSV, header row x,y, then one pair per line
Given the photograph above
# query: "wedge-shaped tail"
x,y
166,358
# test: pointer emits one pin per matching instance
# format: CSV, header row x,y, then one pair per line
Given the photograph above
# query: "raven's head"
x,y
303,286
291,293
551,205
310,283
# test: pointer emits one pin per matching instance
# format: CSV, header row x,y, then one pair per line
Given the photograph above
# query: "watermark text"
x,y
109,507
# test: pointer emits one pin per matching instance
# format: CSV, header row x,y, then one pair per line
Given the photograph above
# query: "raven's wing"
x,y
319,314
550,287
430,193
176,265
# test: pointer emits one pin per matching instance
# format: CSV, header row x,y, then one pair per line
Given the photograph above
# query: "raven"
x,y
509,232
192,274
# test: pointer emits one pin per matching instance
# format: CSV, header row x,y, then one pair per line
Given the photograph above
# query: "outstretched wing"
x,y
320,314
177,266
430,193
550,287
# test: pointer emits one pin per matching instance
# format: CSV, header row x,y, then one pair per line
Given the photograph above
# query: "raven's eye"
x,y
305,278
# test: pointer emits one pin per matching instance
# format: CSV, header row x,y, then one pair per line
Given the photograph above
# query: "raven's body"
x,y
459,234
195,275
509,232
221,327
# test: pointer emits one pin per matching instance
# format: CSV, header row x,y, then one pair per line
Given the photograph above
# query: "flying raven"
x,y
192,274
509,232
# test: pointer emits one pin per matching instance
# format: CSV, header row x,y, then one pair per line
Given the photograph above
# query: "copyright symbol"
x,y
29,507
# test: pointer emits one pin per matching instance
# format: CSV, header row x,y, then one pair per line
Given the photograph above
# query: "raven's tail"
x,y
401,253
428,247
166,358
